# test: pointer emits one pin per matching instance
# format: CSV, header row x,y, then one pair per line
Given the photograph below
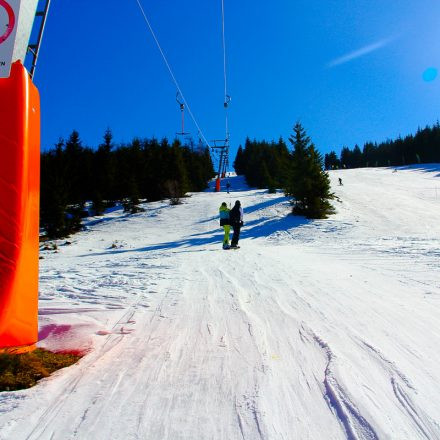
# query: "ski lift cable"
x,y
227,97
224,158
224,50
171,71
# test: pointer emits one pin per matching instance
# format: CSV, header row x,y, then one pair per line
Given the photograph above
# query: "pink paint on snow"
x,y
54,330
66,338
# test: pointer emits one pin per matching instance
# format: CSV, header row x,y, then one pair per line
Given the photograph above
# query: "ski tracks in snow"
x,y
242,351
258,344
402,389
355,424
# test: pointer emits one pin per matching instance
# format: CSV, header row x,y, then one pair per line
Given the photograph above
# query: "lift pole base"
x,y
19,209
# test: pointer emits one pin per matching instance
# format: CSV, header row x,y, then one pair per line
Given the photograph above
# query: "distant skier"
x,y
225,223
236,221
340,181
228,186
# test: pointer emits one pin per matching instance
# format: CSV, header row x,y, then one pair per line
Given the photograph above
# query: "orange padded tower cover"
x,y
19,209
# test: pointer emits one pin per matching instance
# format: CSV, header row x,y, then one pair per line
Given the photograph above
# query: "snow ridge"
x,y
391,365
413,411
421,420
356,426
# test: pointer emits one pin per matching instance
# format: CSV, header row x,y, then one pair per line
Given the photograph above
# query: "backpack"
x,y
234,215
224,216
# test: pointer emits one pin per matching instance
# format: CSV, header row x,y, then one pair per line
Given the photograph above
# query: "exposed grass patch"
x,y
20,371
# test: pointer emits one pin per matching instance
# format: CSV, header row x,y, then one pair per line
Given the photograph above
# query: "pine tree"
x,y
104,170
357,157
308,183
265,178
98,206
131,204
239,161
331,161
54,192
177,172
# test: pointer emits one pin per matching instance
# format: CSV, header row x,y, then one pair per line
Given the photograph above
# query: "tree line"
x,y
264,164
149,169
423,147
298,172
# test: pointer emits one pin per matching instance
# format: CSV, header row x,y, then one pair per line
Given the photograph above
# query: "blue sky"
x,y
350,70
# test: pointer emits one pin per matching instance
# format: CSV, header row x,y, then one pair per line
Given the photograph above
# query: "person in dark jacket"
x,y
236,221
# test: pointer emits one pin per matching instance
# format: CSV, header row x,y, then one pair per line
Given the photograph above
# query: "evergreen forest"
x,y
151,170
148,169
423,147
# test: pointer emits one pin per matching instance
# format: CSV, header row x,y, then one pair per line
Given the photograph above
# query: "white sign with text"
x,y
16,21
9,11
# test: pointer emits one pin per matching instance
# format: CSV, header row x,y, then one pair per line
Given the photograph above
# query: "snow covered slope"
x,y
312,330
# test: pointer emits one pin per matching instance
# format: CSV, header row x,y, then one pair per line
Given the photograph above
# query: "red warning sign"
x,y
10,23
8,28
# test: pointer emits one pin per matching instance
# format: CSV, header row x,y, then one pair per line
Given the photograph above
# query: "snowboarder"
x,y
236,221
228,185
225,223
340,181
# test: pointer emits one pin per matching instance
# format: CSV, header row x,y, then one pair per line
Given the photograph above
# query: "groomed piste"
x,y
311,330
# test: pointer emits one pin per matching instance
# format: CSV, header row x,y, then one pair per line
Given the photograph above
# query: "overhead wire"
x,y
227,98
171,72
224,49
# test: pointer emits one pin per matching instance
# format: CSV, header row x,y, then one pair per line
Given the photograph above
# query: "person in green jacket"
x,y
224,222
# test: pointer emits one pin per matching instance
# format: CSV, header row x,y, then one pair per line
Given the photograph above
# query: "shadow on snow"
x,y
424,167
262,227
